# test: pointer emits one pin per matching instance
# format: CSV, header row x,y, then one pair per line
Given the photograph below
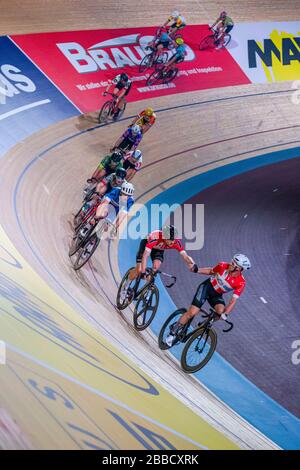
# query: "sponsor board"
x,y
82,62
28,100
267,52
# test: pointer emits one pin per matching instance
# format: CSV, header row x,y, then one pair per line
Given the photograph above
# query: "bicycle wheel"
x,y
146,308
122,304
146,63
171,75
207,43
155,77
105,112
165,329
84,218
198,350
86,251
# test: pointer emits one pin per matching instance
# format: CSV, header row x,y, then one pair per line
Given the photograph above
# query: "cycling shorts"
x,y
228,28
119,86
155,254
205,292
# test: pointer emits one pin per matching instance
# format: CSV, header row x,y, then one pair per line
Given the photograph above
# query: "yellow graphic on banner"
x,y
68,387
285,57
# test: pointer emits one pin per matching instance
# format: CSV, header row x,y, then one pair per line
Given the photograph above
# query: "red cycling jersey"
x,y
223,281
155,240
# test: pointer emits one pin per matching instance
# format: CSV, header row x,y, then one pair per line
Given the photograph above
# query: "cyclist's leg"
x,y
138,269
200,297
217,302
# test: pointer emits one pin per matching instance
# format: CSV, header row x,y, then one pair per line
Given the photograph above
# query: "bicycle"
x,y
173,35
212,41
109,109
164,75
88,244
84,216
153,59
202,339
144,297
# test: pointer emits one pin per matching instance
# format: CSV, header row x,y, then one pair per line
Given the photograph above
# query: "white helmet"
x,y
135,129
175,14
127,188
242,261
137,154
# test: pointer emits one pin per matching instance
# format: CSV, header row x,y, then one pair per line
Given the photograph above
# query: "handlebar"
x,y
154,273
214,314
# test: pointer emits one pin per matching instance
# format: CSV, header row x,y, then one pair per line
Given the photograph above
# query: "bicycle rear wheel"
x,y
105,112
146,308
86,252
122,304
198,350
146,63
207,43
171,75
227,39
165,329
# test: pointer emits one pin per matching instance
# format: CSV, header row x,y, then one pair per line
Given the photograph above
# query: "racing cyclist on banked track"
x,y
154,246
130,139
122,86
224,277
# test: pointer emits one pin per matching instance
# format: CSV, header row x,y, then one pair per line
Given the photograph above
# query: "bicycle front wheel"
x,y
146,63
105,112
171,75
155,77
146,308
198,350
123,300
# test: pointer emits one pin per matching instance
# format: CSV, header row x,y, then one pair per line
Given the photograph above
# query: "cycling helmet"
x,y
149,112
124,77
137,154
242,261
121,173
223,14
169,232
127,188
175,14
135,129
179,41
116,156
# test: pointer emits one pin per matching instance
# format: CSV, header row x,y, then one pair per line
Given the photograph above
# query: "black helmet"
x,y
121,173
116,157
124,77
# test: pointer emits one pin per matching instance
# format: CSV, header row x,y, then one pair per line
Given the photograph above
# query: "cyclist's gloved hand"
x,y
195,268
224,316
144,275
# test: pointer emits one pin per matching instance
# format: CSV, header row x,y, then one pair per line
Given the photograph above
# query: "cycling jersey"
x,y
227,21
179,22
223,281
134,139
120,85
109,165
164,39
110,182
180,51
130,162
156,241
141,122
113,197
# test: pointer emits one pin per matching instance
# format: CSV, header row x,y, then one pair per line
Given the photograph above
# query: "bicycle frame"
x,y
145,287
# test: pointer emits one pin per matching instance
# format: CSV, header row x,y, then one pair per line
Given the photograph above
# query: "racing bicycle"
x,y
146,297
163,75
153,59
200,342
212,41
109,109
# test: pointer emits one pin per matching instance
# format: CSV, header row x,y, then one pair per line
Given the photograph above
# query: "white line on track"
x,y
263,300
46,189
245,216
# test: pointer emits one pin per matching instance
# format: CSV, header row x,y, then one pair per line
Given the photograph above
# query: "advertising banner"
x,y
28,100
80,63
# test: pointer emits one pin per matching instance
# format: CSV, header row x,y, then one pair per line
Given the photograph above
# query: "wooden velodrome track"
x,y
39,194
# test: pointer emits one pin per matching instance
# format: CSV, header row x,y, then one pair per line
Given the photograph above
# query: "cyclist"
x,y
161,42
108,165
177,22
224,277
130,139
224,25
132,163
120,199
122,86
145,119
179,54
154,246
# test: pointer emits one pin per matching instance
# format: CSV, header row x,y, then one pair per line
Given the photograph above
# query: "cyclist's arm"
x,y
189,261
230,305
206,271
